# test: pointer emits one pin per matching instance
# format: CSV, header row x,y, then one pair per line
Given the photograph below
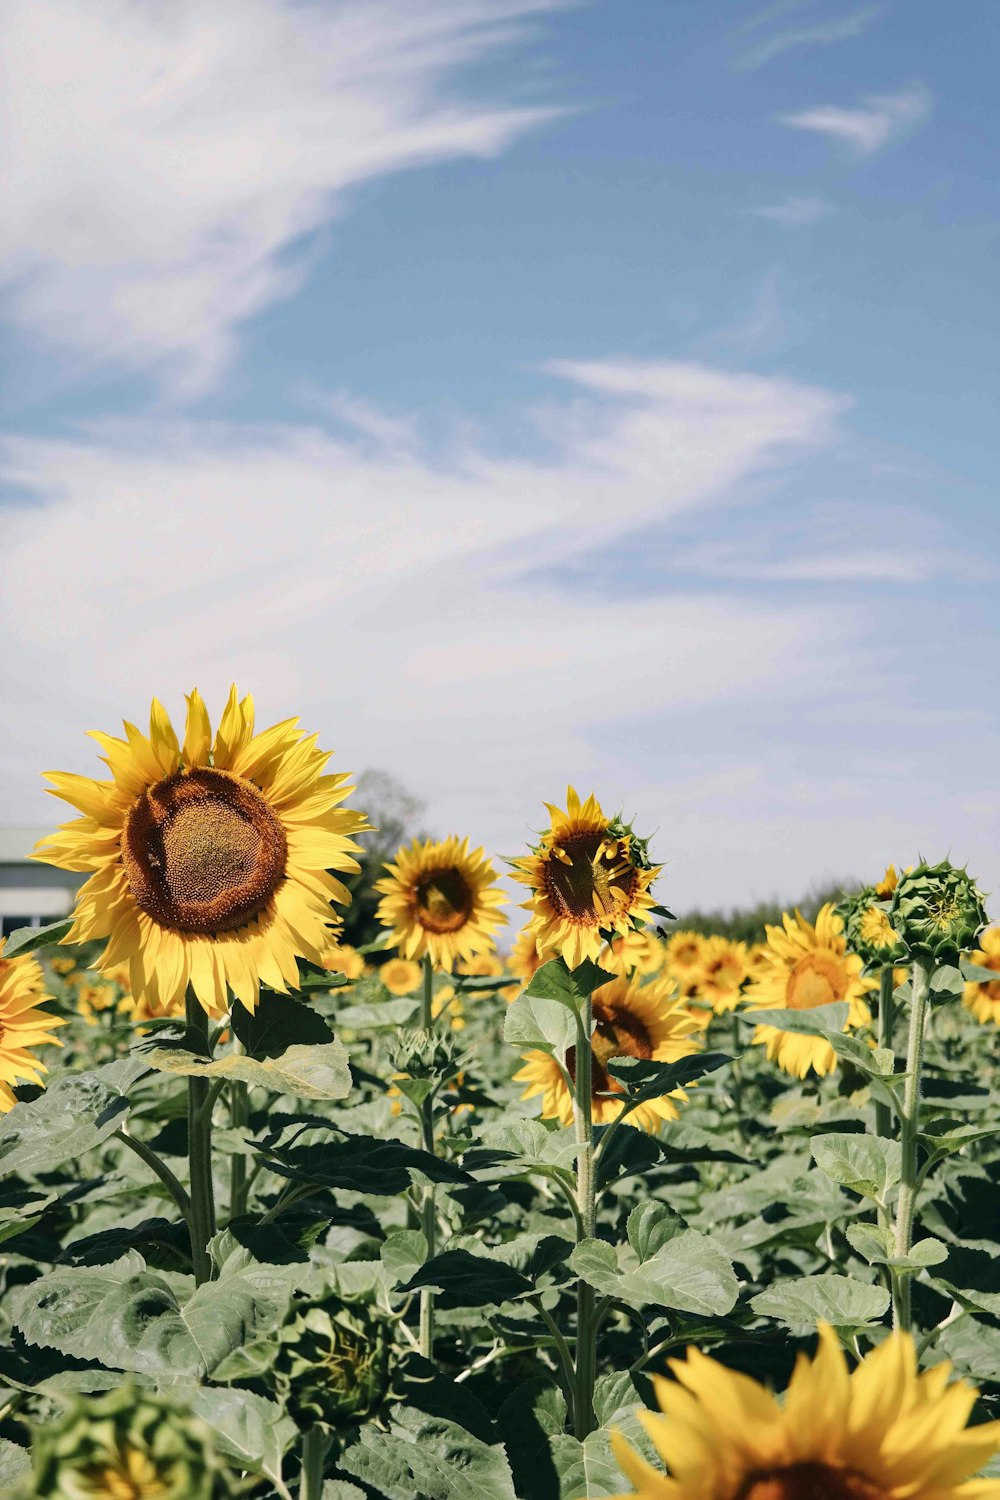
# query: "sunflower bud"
x,y
938,911
128,1443
425,1054
332,1362
868,929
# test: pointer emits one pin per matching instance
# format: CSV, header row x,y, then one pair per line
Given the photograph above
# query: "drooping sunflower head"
x,y
210,861
982,997
630,1020
23,1026
441,899
938,911
878,1433
724,968
589,879
400,976
803,967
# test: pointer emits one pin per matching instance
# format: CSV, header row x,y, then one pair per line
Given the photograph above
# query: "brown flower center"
x,y
443,900
817,979
587,879
808,1481
617,1033
203,851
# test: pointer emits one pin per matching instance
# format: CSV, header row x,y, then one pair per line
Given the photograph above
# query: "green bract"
x,y
938,911
127,1443
869,930
425,1054
331,1362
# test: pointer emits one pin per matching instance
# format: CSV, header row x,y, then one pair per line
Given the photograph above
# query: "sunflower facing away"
x,y
803,967
210,860
882,1432
589,879
982,998
630,1020
22,1025
441,899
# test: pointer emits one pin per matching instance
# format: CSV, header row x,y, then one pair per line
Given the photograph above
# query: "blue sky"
x,y
522,392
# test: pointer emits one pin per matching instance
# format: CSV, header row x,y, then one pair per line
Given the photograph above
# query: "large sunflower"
x,y
441,899
209,860
589,879
882,1432
22,1025
982,997
630,1020
803,967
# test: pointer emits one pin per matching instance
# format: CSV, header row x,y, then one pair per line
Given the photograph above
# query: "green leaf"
x,y
807,1300
332,1158
403,1253
819,1021
977,973
690,1272
569,987
128,1318
15,1465
628,1153
650,1226
528,1421
866,1164
340,1489
466,1280
644,1079
279,1022
529,1141
309,1072
249,1428
382,1015
876,1246
586,1470
973,1278
74,1114
430,1457
538,1022
973,1348
27,939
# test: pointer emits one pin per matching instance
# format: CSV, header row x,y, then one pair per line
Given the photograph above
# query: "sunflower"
x,y
683,953
92,999
22,1025
523,961
803,967
882,1431
343,959
445,1001
589,879
400,976
486,966
982,998
210,861
724,968
440,899
630,1020
639,952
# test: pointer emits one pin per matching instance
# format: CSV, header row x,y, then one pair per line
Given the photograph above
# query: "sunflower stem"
x,y
923,970
584,1421
428,1212
239,1117
883,1112
202,1220
315,1446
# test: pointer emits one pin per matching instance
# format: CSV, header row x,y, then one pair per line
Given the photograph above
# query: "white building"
x,y
31,894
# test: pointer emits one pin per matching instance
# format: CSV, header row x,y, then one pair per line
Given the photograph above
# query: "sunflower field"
x,y
585,1204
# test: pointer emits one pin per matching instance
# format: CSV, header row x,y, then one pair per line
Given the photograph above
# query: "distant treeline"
x,y
747,923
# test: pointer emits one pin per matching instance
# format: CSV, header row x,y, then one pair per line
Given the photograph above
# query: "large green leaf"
x,y
643,1079
569,987
307,1071
430,1457
876,1245
650,1226
332,1158
690,1272
128,1318
279,1022
866,1164
73,1115
587,1470
539,1022
27,939
808,1300
250,1429
15,1466
531,1142
466,1280
819,1021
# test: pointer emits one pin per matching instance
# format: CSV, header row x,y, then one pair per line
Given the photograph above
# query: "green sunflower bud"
x,y
869,931
128,1443
332,1362
938,911
425,1054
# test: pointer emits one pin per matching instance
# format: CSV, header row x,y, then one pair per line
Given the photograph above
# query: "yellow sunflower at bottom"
x,y
982,997
882,1432
724,968
209,860
401,976
803,967
441,899
22,1025
589,879
630,1020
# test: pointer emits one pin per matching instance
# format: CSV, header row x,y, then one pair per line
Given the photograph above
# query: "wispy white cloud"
x,y
796,213
819,34
871,125
167,163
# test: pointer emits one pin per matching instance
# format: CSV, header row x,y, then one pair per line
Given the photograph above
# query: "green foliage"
x,y
748,924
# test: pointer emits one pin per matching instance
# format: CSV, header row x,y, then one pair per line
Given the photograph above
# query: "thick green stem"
x,y
428,1212
315,1446
584,1421
163,1172
886,1017
239,1114
202,1218
909,1128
